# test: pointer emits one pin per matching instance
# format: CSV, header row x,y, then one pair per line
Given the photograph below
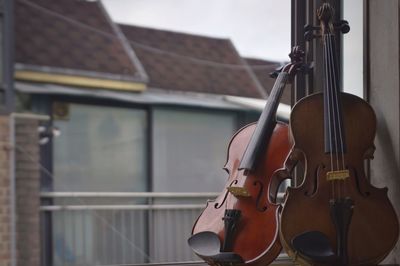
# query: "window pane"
x,y
100,149
190,149
353,70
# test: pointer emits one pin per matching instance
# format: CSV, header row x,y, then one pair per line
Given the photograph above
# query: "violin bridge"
x,y
238,191
337,175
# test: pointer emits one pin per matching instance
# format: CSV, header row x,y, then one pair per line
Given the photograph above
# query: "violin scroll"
x,y
325,15
297,62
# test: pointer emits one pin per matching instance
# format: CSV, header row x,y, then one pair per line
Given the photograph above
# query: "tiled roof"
x,y
69,34
182,68
76,36
263,75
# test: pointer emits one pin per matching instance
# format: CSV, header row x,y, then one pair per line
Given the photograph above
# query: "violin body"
x,y
256,237
240,227
335,217
373,228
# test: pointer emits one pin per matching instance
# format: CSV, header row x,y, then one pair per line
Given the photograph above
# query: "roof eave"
x,y
73,77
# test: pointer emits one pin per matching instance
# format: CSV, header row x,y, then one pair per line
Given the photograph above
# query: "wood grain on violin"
x,y
240,227
335,217
257,228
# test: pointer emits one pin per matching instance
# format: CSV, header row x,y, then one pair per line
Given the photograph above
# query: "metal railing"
x,y
113,228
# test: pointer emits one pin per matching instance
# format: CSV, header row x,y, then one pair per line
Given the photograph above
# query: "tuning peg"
x,y
306,68
309,27
275,73
343,26
296,54
309,32
309,35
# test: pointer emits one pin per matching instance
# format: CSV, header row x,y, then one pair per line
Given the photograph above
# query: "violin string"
x,y
334,111
332,90
329,116
331,107
339,120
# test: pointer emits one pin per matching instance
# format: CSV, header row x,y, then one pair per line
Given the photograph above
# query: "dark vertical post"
x,y
8,55
298,21
2,61
366,67
44,105
300,17
317,51
309,48
150,185
366,58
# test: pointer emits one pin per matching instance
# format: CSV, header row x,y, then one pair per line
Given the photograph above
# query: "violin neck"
x,y
333,118
265,126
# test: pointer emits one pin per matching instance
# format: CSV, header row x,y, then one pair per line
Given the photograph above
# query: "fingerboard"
x,y
333,118
265,126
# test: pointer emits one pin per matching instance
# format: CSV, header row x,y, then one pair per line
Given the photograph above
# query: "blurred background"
x,y
142,99
123,111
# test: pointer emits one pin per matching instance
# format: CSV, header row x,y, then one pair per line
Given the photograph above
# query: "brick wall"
x,y
27,199
27,192
5,222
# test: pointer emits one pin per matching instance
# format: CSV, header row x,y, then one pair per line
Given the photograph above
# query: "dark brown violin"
x,y
335,217
240,227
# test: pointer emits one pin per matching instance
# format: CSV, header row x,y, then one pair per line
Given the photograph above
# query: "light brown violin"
x,y
335,217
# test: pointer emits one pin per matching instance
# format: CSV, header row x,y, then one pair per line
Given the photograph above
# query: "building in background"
x,y
143,119
131,110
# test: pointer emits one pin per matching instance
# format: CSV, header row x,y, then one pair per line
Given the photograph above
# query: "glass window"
x,y
100,148
190,149
353,52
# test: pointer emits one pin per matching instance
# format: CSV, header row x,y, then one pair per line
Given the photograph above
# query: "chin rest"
x,y
207,246
315,246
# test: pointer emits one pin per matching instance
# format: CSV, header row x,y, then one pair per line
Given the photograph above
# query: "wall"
x,y
27,199
5,221
384,96
27,192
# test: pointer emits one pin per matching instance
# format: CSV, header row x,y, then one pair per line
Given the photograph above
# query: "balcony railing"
x,y
112,228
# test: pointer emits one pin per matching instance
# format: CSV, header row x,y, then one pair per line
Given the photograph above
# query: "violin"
x,y
335,217
240,227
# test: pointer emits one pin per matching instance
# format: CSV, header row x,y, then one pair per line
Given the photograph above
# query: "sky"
x,y
257,28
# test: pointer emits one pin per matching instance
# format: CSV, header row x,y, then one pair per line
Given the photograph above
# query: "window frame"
x,y
43,104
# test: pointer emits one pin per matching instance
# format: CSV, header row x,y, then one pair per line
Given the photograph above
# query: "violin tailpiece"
x,y
230,219
341,213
